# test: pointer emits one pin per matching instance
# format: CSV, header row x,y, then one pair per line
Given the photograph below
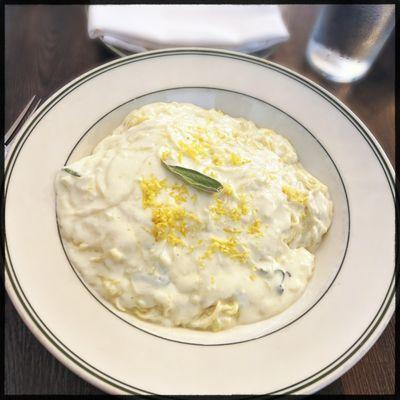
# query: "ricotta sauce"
x,y
169,253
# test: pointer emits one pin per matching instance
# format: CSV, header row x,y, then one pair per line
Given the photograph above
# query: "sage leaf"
x,y
195,178
71,171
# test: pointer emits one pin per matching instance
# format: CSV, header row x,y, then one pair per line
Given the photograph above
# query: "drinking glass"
x,y
347,39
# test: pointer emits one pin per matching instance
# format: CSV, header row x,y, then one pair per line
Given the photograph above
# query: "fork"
x,y
12,133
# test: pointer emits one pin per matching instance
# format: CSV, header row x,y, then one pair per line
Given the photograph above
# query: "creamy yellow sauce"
x,y
160,249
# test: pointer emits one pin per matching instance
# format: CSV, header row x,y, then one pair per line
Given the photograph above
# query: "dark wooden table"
x,y
47,46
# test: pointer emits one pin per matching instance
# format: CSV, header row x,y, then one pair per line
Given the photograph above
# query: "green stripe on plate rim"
x,y
28,128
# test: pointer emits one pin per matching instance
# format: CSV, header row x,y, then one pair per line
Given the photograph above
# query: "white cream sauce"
x,y
166,252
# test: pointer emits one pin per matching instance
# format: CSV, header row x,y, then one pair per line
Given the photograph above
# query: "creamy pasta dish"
x,y
191,218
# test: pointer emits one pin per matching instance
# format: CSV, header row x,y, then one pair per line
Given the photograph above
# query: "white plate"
x,y
350,298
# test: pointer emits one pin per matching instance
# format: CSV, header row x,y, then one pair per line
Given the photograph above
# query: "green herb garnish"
x,y
195,178
71,171
280,287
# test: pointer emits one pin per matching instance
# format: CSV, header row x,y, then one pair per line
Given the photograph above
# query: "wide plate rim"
x,y
326,378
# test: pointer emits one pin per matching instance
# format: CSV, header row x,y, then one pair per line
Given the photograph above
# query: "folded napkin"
x,y
136,28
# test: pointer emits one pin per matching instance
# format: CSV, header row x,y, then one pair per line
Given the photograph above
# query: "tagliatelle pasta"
x,y
161,249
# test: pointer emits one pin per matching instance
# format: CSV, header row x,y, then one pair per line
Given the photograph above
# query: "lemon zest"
x,y
232,230
255,227
170,221
151,188
165,154
294,195
229,247
222,208
236,160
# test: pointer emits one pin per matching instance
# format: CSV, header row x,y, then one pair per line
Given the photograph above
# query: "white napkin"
x,y
245,28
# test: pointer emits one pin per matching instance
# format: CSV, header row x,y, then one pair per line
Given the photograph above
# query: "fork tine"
x,y
9,133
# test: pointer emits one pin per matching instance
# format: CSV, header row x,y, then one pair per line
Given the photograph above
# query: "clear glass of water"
x,y
348,38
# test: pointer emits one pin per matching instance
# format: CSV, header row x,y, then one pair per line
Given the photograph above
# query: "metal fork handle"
x,y
13,129
12,133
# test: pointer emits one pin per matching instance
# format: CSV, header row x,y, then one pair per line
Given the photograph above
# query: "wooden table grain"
x,y
46,46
